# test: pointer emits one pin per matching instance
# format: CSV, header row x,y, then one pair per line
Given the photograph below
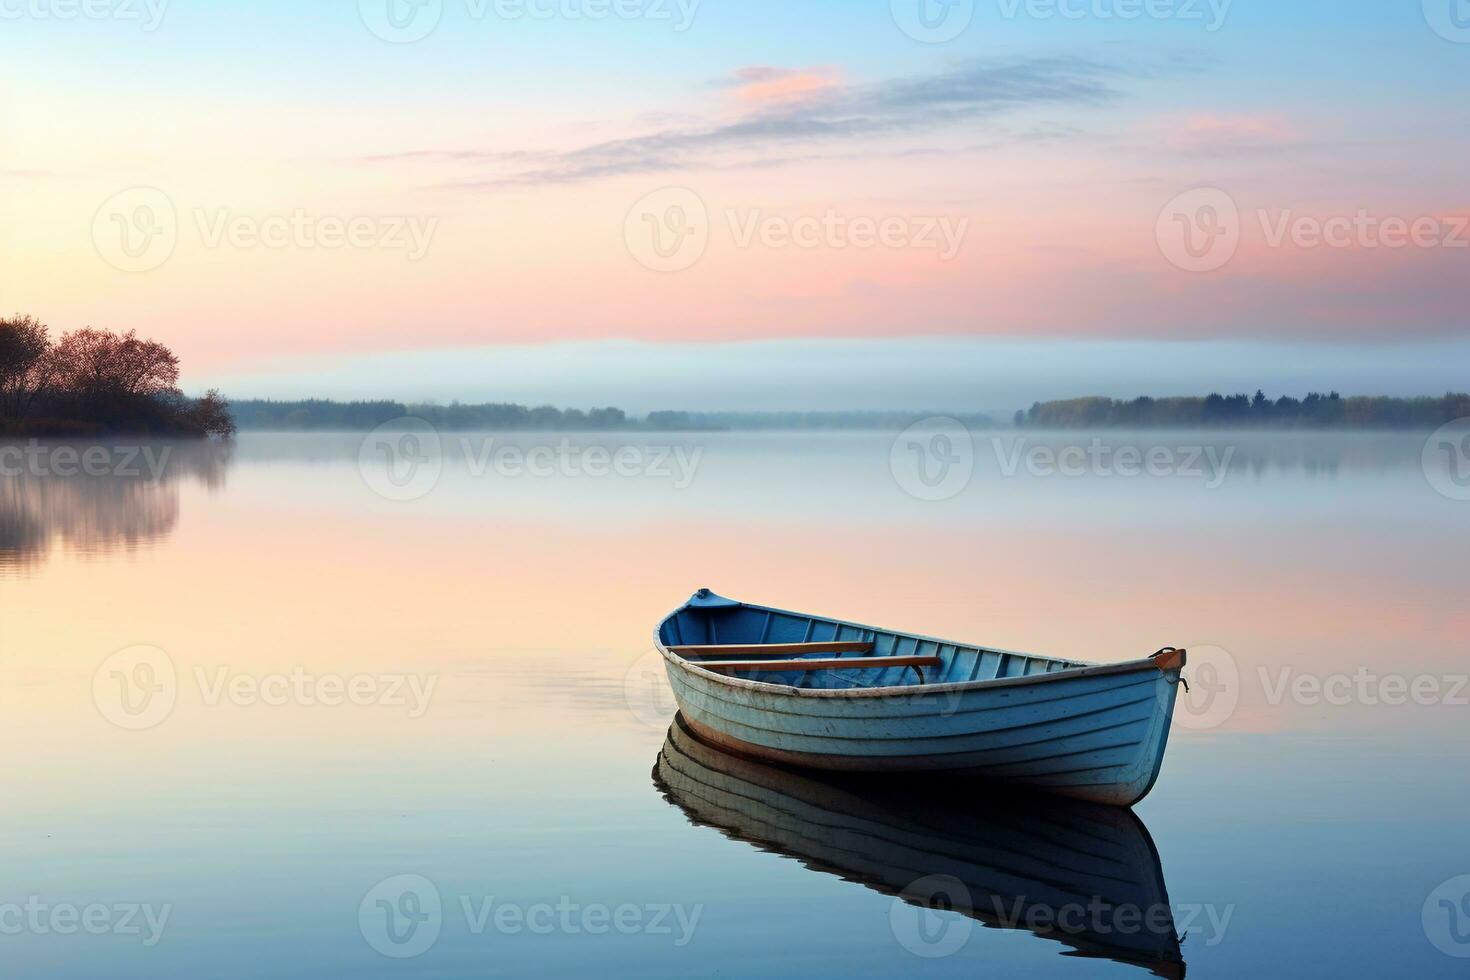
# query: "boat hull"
x,y
1093,733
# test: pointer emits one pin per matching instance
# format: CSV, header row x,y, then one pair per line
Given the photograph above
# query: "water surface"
x,y
458,689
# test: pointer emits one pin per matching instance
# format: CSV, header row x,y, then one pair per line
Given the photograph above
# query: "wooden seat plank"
x,y
838,664
774,649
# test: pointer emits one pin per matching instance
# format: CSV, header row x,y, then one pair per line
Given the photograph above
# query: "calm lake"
x,y
315,705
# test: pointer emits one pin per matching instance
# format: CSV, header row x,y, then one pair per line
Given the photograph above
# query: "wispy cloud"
x,y
768,85
1212,133
792,113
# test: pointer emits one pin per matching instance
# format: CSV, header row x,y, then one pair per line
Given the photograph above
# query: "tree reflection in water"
x,y
132,506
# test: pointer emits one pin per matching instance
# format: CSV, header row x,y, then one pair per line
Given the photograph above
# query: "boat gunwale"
x,y
768,687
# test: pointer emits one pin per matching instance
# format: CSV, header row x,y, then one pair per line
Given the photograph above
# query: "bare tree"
x,y
96,363
146,367
25,363
212,415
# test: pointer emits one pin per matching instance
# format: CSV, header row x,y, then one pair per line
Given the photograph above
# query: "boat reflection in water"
x,y
1082,874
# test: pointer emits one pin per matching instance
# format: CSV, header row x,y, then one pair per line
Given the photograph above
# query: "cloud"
x,y
767,85
1211,133
792,113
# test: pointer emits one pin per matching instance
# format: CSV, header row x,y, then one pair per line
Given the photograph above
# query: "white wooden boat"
x,y
827,694
1080,874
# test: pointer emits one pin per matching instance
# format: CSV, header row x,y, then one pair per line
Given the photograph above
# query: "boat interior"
x,y
795,650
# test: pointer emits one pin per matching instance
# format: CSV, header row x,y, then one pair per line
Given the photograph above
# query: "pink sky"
x,y
487,215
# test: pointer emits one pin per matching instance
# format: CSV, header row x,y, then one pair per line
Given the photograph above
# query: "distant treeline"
x,y
1316,411
759,421
320,415
1330,411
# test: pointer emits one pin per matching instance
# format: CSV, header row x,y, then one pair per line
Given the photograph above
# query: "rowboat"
x,y
1080,874
822,693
